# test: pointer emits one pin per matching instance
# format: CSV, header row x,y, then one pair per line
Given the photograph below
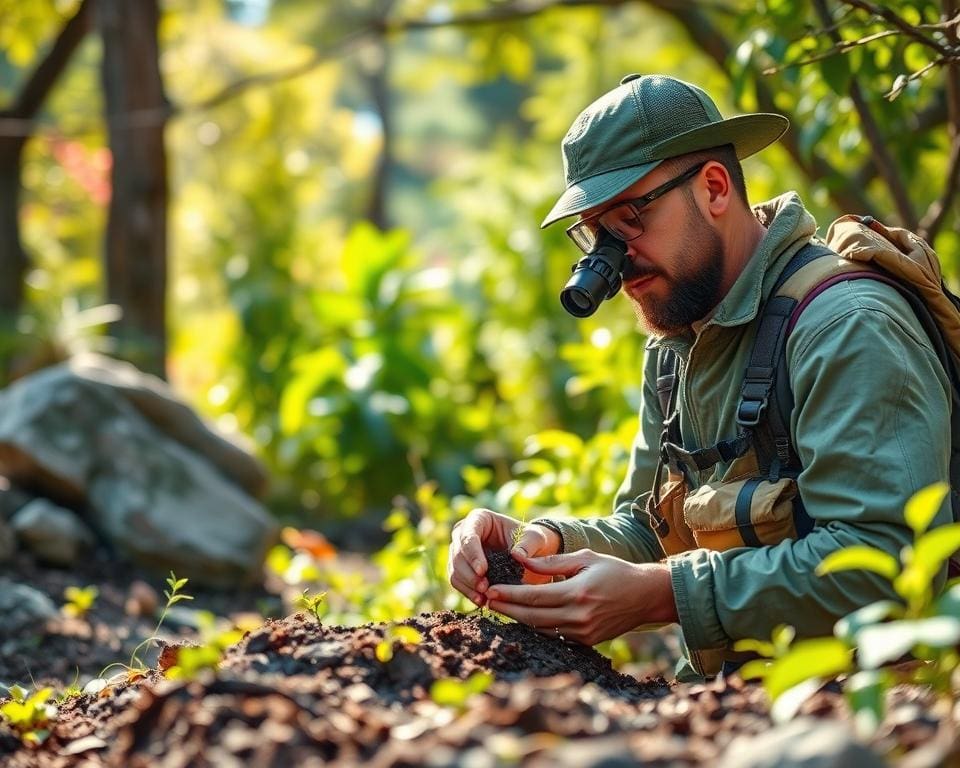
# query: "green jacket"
x,y
870,424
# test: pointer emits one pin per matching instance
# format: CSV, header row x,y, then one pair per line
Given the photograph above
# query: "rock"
x,y
8,541
12,498
52,533
79,439
806,742
23,609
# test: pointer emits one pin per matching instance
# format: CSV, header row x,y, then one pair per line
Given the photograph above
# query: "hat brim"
x,y
747,133
595,190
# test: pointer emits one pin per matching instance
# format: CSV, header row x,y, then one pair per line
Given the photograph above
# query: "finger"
x,y
533,541
470,535
468,591
533,595
544,620
464,574
557,565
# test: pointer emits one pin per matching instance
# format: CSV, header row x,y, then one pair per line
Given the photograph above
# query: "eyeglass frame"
x,y
637,203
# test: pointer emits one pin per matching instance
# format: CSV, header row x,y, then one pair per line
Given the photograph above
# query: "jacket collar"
x,y
789,227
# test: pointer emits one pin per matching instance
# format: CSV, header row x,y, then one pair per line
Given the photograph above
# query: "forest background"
x,y
319,221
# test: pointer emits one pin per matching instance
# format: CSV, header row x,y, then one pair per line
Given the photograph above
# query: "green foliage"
x,y
192,660
453,692
396,633
29,715
312,603
136,666
79,600
878,634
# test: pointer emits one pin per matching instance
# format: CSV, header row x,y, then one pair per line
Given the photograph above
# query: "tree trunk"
x,y
14,131
136,240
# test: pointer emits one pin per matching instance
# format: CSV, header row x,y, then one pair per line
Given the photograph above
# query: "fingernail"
x,y
482,585
477,566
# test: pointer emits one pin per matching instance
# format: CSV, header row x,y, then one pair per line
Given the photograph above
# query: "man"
x,y
654,164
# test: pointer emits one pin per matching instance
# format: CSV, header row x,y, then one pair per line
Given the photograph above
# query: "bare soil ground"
x,y
297,692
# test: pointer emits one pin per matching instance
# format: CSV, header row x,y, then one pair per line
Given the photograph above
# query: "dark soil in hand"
x,y
502,568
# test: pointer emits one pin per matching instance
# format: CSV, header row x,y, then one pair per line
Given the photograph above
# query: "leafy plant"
x,y
137,667
454,692
920,625
192,660
79,600
312,603
396,633
29,715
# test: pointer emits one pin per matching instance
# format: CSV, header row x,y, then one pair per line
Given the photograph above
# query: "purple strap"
x,y
821,287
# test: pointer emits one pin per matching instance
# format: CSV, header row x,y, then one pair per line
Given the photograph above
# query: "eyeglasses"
x,y
622,219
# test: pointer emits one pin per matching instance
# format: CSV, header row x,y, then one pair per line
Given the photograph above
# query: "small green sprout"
x,y
79,600
311,603
453,692
396,633
29,716
194,659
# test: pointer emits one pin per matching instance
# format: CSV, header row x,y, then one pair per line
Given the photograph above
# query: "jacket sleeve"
x,y
871,426
623,533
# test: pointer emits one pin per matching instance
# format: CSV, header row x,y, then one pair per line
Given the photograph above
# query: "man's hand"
x,y
600,598
483,528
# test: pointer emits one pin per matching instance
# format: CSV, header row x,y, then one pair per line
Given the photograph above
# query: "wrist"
x,y
656,585
553,533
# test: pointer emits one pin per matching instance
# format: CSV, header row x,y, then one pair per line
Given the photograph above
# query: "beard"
x,y
694,282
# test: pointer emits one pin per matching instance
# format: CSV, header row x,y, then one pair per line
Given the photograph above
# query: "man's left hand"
x,y
600,597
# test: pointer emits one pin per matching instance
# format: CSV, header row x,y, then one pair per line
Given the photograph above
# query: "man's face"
x,y
678,260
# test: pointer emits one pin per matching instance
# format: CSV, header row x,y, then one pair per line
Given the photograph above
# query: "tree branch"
x,y
849,197
902,24
885,163
936,214
38,85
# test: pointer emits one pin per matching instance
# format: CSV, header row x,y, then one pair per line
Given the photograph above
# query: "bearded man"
x,y
706,531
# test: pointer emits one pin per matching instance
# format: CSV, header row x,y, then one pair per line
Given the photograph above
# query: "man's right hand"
x,y
484,528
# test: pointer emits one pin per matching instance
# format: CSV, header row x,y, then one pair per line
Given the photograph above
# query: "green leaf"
x,y
749,645
923,506
755,669
949,602
836,73
882,643
865,692
451,692
384,651
788,702
405,634
862,558
817,658
934,548
847,628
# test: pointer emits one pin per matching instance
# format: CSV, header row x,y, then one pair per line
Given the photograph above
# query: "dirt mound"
x,y
296,692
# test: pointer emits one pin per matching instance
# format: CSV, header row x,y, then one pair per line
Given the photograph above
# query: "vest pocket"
x,y
752,512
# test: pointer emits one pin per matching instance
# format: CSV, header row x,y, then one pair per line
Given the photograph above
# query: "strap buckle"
x,y
749,412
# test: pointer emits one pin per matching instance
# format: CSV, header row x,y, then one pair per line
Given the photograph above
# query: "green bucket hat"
x,y
629,131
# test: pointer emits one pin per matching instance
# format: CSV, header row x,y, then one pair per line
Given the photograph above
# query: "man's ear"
x,y
719,188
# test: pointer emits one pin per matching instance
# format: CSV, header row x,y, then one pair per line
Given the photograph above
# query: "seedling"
x,y
79,600
311,603
192,660
137,668
29,716
453,692
396,633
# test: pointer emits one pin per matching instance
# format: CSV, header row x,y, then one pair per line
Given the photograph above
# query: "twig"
x,y
902,24
885,163
903,81
839,48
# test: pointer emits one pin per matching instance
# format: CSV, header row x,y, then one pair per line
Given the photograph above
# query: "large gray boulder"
x,y
146,472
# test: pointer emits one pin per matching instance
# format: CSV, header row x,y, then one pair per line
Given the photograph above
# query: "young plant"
x,y
192,660
396,633
29,716
918,624
137,667
311,603
453,692
79,600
